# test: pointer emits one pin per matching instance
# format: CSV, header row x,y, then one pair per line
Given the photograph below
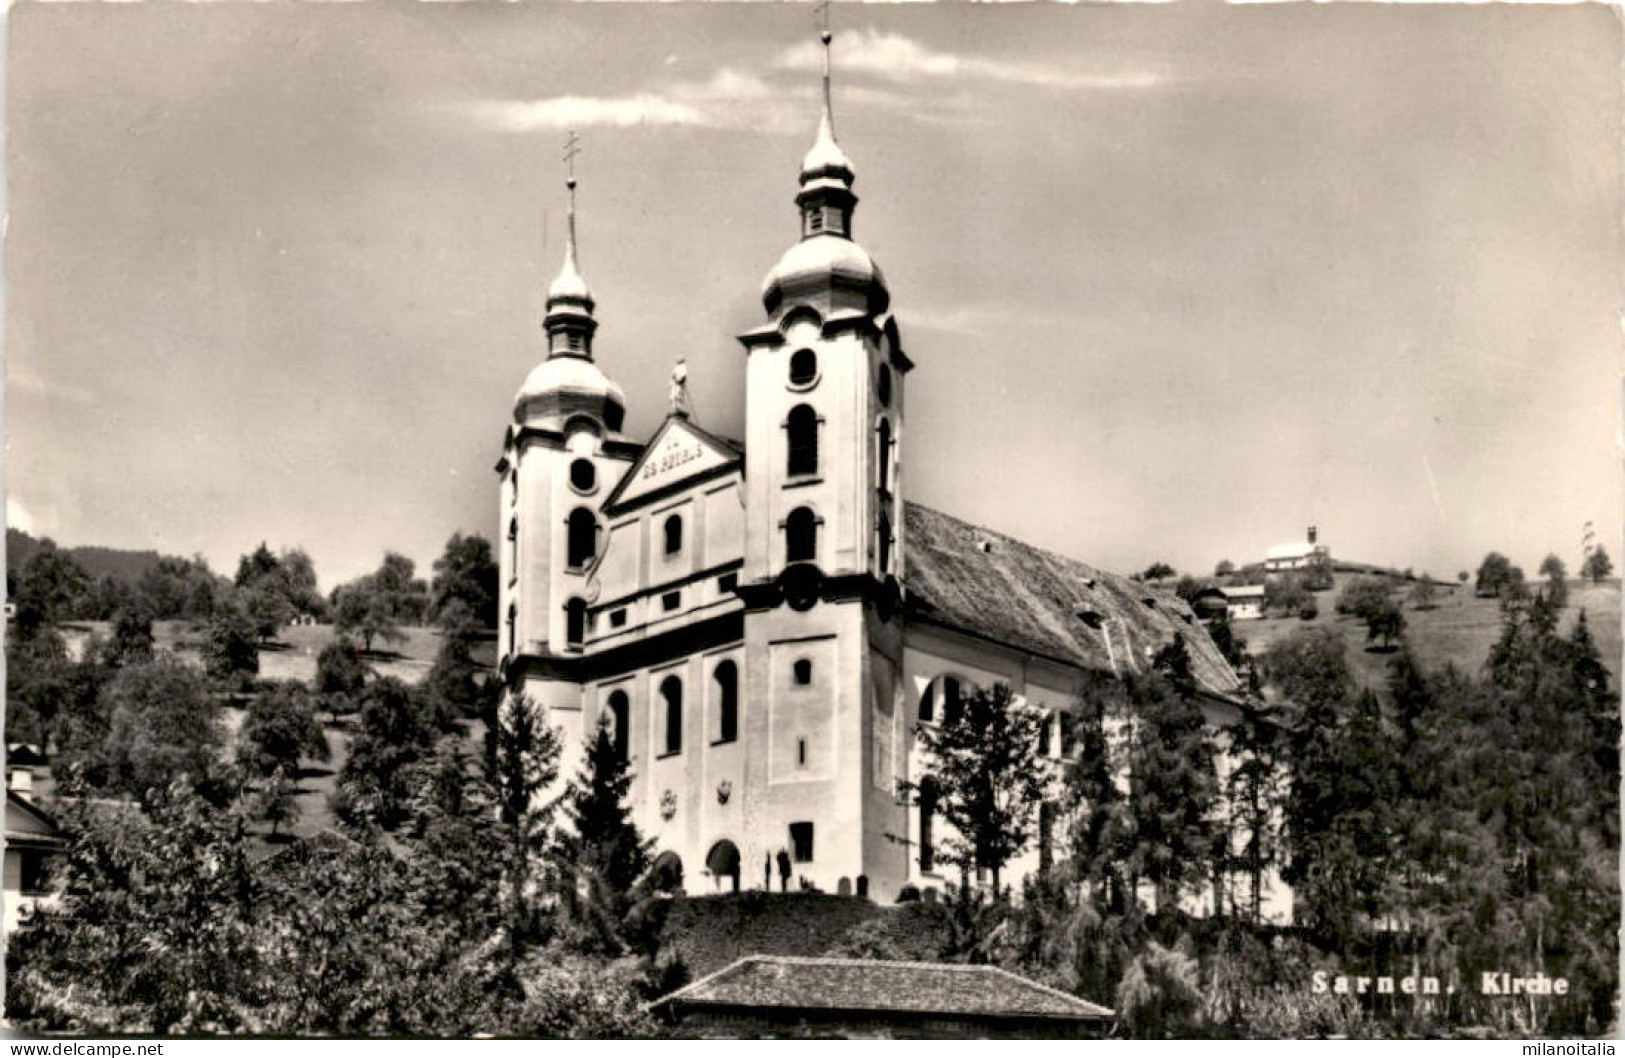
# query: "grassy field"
x,y
1460,629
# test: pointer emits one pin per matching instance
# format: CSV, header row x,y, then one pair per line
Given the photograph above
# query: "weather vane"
x,y
572,147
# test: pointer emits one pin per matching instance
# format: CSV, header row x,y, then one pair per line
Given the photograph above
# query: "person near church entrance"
x,y
784,871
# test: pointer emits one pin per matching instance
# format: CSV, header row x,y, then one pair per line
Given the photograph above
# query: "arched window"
x,y
803,367
952,706
883,386
513,628
671,692
883,455
928,811
583,475
583,538
801,536
727,681
943,690
673,532
575,622
803,434
513,548
620,712
883,543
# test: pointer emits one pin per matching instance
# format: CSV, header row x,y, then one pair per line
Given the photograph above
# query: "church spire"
x,y
569,321
826,198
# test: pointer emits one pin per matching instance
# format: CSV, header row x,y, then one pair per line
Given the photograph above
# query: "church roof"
x,y
998,588
784,982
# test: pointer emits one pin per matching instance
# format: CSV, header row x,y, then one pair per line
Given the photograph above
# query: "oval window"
x,y
803,367
583,475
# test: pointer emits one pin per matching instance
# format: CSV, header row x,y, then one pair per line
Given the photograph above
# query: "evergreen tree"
x,y
1597,565
1252,789
523,764
602,856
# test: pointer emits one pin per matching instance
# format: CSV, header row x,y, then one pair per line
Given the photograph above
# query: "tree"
x,y
1167,835
1386,624
1286,594
1157,571
465,573
603,855
455,684
1423,596
523,761
1556,575
1597,565
231,651
1364,597
132,641
277,587
1189,587
341,676
1252,789
275,802
1224,568
179,589
163,727
375,605
985,765
280,730
395,733
1231,646
51,588
1496,575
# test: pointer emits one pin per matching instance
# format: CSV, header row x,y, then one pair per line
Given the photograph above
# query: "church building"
x,y
765,623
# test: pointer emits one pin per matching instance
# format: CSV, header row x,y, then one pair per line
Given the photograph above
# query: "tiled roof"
x,y
993,586
795,983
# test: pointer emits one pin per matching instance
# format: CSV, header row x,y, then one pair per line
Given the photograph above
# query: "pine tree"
x,y
603,856
1251,791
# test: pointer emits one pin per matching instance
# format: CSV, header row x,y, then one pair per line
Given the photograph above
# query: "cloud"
x,y
897,58
728,99
17,517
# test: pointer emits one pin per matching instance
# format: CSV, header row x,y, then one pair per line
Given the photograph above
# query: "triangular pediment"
x,y
678,453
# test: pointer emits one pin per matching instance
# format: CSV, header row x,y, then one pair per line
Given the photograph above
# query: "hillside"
x,y
1459,630
99,562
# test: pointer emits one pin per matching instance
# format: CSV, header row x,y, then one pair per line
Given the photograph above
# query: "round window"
x,y
583,475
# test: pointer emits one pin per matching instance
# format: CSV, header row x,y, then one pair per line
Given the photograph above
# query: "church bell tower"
x,y
822,577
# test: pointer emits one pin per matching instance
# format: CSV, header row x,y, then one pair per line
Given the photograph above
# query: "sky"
x,y
1179,280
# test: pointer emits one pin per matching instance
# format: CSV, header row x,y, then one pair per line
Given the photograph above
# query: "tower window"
x,y
883,552
801,842
513,548
727,684
801,536
575,622
513,629
614,414
673,532
802,671
883,386
803,435
803,367
573,341
815,220
801,753
620,711
883,455
583,475
583,538
671,692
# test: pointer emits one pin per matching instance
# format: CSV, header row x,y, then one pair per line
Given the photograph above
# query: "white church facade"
x,y
765,624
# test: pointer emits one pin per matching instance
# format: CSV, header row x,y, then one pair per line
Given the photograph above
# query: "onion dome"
x,y
826,267
568,382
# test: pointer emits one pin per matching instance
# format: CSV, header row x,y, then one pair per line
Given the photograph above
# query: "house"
x,y
32,839
776,996
1244,601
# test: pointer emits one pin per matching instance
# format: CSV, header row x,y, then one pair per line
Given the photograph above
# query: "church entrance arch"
x,y
723,863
